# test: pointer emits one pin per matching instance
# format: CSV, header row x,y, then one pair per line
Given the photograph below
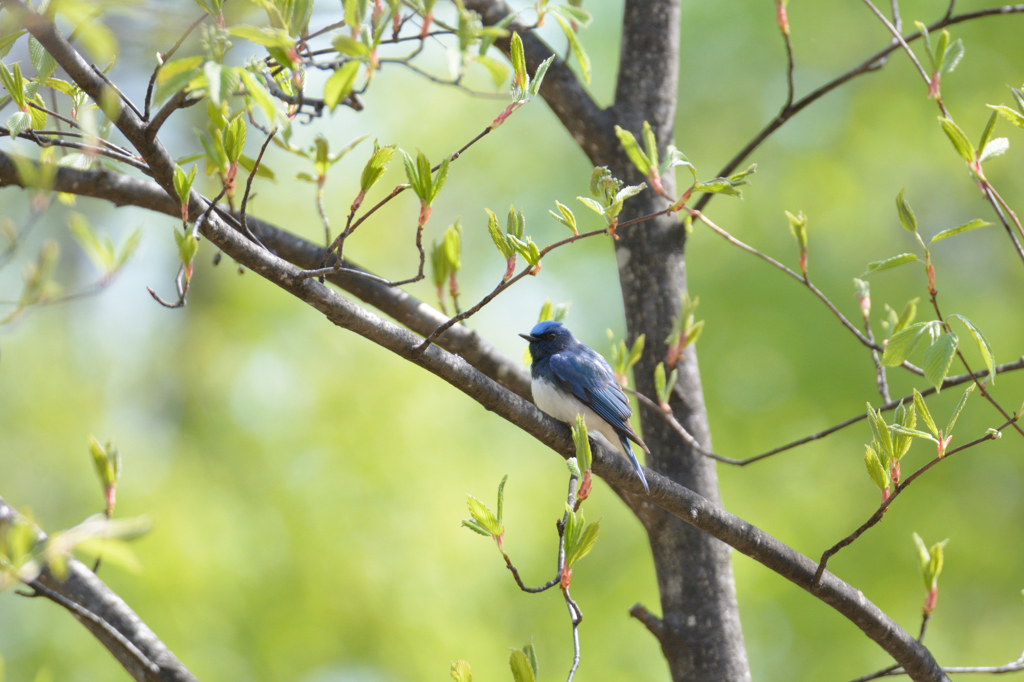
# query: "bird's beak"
x,y
529,338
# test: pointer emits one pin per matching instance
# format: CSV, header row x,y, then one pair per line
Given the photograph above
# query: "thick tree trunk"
x,y
700,633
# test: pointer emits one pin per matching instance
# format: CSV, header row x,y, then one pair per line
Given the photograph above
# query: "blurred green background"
x,y
307,486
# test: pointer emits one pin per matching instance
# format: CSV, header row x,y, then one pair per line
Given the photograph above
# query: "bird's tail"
x,y
633,460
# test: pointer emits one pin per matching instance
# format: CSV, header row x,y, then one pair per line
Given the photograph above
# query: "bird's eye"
x,y
551,335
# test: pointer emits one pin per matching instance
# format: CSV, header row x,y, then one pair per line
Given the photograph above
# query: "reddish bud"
x,y
656,183
803,262
111,492
188,272
535,270
895,474
885,495
931,279
424,213
503,115
453,286
929,603
672,357
566,578
943,444
358,202
586,485
611,228
510,267
781,16
933,86
426,24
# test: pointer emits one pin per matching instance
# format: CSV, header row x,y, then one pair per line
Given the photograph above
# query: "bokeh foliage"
x,y
307,487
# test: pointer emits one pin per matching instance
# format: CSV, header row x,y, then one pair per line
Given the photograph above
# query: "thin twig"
x,y
877,516
1012,667
84,614
872,63
803,280
248,187
162,59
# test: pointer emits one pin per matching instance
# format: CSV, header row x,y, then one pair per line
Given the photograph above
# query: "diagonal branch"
x,y
108,618
123,190
670,496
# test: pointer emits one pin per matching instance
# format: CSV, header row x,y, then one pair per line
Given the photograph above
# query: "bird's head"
x,y
548,338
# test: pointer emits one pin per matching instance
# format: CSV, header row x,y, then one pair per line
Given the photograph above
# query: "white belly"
x,y
564,407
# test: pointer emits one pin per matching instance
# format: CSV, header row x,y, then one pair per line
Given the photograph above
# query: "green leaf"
x,y
996,147
234,139
268,37
907,317
340,84
798,228
249,163
350,46
255,91
907,218
926,416
43,62
927,42
475,527
538,76
904,431
959,407
519,77
376,166
882,438
876,471
438,183
565,216
452,247
1009,114
579,437
954,54
972,225
100,251
496,235
176,75
187,249
183,183
531,655
582,546
438,265
355,10
521,669
461,671
923,558
577,48
937,358
498,71
483,516
989,128
983,345
956,136
501,496
717,186
902,344
889,263
18,123
639,159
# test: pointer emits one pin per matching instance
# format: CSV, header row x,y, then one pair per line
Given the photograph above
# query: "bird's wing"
x,y
589,378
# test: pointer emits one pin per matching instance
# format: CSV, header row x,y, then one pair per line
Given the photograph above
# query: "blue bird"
x,y
570,378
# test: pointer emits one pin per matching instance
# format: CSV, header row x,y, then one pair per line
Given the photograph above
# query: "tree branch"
x,y
108,618
670,496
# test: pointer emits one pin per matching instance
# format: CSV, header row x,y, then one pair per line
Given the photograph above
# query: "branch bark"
x,y
653,312
108,618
